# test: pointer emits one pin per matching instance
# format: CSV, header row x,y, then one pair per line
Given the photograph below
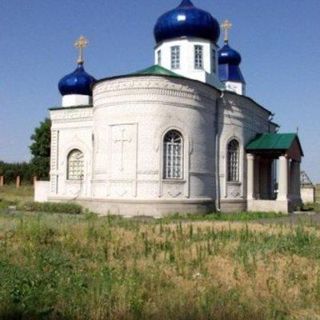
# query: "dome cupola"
x,y
229,61
227,55
186,21
77,82
76,87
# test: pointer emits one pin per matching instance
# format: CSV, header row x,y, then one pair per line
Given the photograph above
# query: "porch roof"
x,y
274,142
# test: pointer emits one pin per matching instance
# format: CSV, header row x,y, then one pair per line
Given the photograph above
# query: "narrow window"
x,y
213,62
233,161
175,57
173,155
198,57
159,57
75,165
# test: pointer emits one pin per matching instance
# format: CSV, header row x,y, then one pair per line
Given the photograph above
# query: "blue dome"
x,y
228,55
187,21
77,82
229,61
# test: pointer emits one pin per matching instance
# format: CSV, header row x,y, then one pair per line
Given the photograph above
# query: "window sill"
x,y
234,183
173,181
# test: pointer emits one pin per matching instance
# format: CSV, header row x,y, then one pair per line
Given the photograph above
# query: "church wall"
x,y
241,119
122,141
71,129
131,117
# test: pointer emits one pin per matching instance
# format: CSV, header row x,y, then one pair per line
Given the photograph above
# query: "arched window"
x,y
233,161
75,165
173,155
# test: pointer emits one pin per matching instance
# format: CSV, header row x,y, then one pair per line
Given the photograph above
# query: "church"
x,y
180,136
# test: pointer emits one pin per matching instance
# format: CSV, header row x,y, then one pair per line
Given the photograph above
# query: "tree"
x,y
40,149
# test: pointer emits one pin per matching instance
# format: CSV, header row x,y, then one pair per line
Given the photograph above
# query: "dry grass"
x,y
84,267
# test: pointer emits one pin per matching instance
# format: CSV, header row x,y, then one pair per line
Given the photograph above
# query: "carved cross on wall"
x,y
122,140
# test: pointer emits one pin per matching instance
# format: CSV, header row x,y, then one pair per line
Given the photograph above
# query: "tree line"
x,y
39,165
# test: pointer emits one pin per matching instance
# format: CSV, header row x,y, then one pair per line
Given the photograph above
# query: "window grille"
x,y
233,161
198,57
175,57
159,57
173,155
213,62
75,165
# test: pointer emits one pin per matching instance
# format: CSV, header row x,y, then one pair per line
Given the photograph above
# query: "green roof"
x,y
156,70
273,141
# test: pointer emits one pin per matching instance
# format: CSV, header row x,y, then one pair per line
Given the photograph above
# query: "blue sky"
x,y
278,41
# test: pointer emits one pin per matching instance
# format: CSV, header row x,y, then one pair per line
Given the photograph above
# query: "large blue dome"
x,y
187,21
77,82
227,55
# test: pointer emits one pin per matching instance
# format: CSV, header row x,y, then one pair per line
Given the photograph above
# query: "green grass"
x,y
10,195
55,266
48,207
239,216
22,199
312,207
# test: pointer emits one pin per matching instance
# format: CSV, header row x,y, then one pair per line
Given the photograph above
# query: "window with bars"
x,y
159,57
173,155
75,165
198,57
233,161
213,62
175,57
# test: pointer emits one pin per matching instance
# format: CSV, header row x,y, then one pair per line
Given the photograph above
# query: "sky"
x,y
278,40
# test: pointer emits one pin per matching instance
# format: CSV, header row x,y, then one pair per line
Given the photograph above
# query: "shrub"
x,y
50,207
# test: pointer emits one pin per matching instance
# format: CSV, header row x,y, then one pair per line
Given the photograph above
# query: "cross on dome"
x,y
80,44
226,26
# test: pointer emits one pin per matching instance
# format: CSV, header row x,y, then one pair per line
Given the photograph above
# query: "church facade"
x,y
179,136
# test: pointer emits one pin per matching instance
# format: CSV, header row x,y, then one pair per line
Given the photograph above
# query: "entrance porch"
x,y
268,154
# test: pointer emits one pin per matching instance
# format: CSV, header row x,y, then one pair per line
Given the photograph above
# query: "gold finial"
x,y
226,26
80,44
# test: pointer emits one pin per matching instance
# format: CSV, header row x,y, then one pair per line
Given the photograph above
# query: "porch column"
x,y
283,178
250,176
257,177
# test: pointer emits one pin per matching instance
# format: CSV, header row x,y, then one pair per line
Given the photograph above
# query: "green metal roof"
x,y
273,141
156,70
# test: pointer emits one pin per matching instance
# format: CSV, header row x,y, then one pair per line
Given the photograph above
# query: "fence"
x,y
18,181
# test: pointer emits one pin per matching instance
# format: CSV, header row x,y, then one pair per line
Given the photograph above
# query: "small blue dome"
x,y
229,61
77,82
187,21
228,55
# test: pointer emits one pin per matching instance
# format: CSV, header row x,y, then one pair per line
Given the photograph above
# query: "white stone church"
x,y
179,136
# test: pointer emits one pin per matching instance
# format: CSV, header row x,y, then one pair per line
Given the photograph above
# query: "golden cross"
x,y
226,26
80,44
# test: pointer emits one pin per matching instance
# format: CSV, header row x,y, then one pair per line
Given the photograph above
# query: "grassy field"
x,y
9,194
56,266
